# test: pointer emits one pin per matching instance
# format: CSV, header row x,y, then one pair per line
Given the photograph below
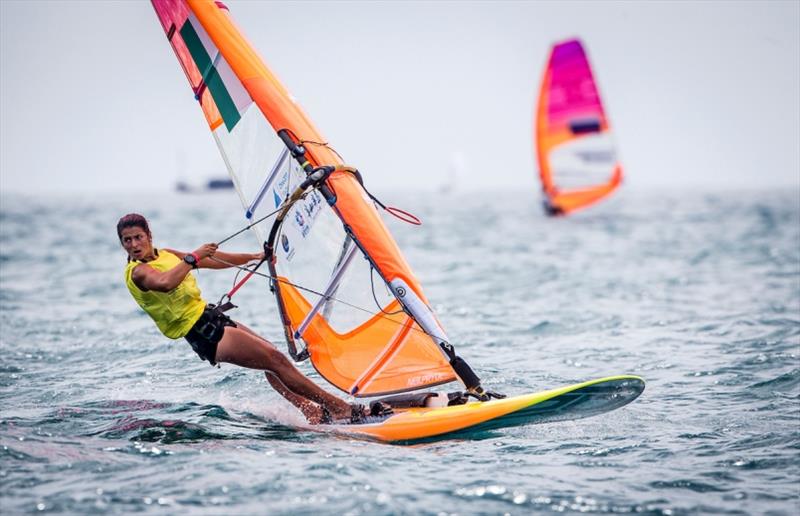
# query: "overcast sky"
x,y
699,93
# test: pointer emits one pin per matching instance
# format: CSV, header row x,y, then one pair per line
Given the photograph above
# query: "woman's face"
x,y
137,243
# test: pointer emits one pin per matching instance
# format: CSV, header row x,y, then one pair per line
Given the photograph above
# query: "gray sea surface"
x,y
698,292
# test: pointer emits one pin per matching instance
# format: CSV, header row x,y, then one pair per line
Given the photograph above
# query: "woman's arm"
x,y
229,258
148,278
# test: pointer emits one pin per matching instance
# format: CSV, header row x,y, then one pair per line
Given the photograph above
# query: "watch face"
x,y
190,259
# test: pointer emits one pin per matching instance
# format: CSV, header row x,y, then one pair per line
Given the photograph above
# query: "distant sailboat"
x,y
211,184
578,162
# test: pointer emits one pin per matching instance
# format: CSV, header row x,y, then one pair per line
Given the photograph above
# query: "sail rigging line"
x,y
239,285
331,298
394,211
314,179
372,286
249,226
282,210
252,271
320,144
317,178
299,193
349,252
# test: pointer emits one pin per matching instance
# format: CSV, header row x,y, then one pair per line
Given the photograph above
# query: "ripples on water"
x,y
698,293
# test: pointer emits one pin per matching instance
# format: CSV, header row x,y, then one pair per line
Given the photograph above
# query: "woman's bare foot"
x,y
313,413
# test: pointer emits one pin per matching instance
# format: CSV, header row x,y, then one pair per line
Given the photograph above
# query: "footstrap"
x,y
462,397
415,399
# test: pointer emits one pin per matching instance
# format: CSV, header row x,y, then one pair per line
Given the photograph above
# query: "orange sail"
x,y
578,163
347,296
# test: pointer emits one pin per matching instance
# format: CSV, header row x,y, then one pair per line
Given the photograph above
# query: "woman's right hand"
x,y
206,250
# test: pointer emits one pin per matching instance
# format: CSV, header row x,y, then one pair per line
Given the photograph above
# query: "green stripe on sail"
x,y
225,104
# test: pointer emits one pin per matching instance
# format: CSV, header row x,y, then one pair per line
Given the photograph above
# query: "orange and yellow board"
x,y
565,403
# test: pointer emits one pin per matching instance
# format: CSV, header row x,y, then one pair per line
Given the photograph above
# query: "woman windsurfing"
x,y
160,282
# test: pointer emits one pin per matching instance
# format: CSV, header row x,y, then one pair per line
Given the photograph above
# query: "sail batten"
x,y
329,290
277,167
330,250
576,152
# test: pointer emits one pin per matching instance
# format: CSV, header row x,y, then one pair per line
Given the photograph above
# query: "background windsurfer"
x,y
160,282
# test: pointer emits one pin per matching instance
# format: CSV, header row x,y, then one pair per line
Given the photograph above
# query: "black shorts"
x,y
207,332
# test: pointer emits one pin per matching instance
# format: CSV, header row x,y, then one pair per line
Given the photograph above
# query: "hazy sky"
x,y
699,93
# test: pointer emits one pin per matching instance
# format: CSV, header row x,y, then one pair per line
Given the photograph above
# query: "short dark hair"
x,y
132,220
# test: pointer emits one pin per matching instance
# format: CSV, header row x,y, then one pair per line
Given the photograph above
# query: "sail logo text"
x,y
311,207
428,378
281,189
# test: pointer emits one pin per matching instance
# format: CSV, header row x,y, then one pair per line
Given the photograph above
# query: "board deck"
x,y
571,402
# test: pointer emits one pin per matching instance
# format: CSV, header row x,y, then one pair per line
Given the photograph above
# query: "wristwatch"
x,y
191,259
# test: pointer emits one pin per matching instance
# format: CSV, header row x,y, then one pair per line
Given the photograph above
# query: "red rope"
x,y
404,215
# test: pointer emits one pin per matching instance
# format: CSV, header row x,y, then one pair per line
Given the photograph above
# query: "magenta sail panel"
x,y
573,99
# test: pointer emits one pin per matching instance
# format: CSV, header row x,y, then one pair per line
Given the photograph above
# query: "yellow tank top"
x,y
174,312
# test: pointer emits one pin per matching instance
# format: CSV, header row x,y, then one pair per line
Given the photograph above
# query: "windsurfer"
x,y
160,282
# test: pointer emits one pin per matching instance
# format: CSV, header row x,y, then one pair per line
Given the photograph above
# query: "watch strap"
x,y
196,260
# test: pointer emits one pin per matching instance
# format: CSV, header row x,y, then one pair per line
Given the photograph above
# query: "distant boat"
x,y
222,183
219,184
578,163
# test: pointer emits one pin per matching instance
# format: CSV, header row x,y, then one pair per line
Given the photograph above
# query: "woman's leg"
x,y
241,347
310,410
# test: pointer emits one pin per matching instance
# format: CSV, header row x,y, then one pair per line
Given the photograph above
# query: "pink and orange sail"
x,y
346,295
578,163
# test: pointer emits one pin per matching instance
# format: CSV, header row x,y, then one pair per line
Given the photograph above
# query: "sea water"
x,y
698,292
